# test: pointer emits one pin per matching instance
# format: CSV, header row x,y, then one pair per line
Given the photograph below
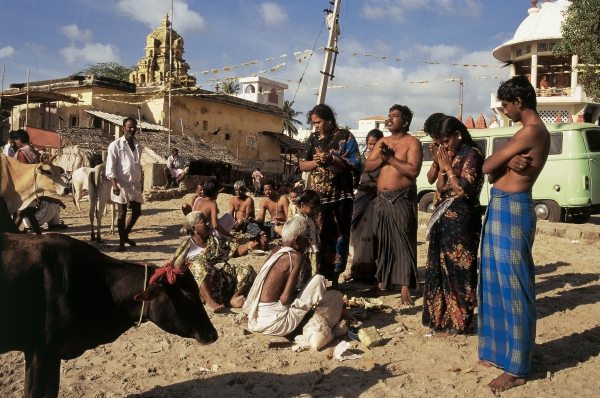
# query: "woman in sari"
x,y
206,255
332,157
449,295
361,233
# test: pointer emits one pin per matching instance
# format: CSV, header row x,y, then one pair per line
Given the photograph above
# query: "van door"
x,y
484,197
592,137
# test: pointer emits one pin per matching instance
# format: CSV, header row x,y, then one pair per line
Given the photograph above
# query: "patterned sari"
x,y
449,296
211,265
335,186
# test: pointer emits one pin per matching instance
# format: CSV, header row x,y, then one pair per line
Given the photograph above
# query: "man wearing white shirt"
x,y
10,148
124,170
176,169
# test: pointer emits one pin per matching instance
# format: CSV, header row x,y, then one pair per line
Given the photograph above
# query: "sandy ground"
x,y
147,362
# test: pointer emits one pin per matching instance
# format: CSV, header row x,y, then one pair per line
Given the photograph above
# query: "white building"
x,y
529,52
262,90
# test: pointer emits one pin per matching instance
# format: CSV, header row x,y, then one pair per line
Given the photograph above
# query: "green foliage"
x,y
289,119
230,87
108,69
581,36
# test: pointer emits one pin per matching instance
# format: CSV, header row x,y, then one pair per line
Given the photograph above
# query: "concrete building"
x,y
249,128
529,52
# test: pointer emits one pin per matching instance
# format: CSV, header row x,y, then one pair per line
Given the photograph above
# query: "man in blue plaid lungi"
x,y
506,291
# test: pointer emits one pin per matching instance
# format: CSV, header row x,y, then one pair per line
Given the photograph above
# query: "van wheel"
x,y
547,210
426,202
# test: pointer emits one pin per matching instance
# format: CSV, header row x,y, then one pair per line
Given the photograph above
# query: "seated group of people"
x,y
287,286
45,210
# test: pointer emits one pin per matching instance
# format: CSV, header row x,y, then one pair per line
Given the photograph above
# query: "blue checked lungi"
x,y
506,291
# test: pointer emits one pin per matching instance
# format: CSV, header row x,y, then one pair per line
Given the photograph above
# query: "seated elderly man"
x,y
176,169
273,305
206,255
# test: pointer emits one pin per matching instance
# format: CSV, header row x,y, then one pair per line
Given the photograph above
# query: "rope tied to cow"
x,y
139,322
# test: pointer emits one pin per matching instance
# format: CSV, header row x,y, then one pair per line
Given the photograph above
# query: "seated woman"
x,y
221,284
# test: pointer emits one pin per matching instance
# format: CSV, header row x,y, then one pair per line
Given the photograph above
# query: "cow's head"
x,y
48,178
177,308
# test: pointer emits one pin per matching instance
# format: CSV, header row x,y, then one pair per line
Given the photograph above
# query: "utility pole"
x,y
461,88
331,50
170,27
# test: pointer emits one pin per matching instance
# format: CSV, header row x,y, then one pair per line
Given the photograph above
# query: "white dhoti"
x,y
47,213
276,319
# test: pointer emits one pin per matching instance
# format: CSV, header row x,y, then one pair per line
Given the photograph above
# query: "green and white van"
x,y
568,189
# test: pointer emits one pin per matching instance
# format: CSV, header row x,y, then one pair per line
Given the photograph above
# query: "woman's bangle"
x,y
451,175
442,173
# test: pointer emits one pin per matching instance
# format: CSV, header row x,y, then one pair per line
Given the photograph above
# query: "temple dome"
x,y
162,32
542,23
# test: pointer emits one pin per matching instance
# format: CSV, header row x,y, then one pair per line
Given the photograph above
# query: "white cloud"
x,y
91,53
372,86
439,52
75,34
151,12
272,14
399,10
6,52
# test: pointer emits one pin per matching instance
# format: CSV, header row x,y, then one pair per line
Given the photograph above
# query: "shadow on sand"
x,y
565,352
341,382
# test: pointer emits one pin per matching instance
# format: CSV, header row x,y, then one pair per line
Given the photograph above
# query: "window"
x,y
593,140
426,152
73,121
205,125
498,143
227,136
273,97
250,89
482,143
556,143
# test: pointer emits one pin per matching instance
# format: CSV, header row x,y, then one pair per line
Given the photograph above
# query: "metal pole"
x,y
27,100
170,73
2,89
330,51
460,98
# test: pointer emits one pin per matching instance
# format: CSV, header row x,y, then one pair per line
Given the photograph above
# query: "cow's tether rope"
x,y
139,322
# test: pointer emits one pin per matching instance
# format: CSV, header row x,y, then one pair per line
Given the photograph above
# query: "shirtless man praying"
x,y
399,157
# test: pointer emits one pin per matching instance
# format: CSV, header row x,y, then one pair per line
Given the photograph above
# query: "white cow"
x,y
98,187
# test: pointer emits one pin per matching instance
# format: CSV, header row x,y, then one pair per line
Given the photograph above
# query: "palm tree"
x,y
289,119
230,87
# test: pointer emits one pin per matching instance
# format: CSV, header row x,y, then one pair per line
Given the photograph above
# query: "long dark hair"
x,y
448,127
324,112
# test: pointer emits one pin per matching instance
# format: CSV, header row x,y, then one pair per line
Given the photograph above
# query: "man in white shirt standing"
x,y
11,147
124,170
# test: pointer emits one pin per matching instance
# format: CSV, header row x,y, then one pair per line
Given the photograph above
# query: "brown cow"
x,y
21,183
60,296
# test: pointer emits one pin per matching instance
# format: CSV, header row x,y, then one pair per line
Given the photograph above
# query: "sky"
x,y
410,52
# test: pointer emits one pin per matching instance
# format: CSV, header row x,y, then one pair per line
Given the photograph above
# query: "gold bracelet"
x,y
443,173
451,175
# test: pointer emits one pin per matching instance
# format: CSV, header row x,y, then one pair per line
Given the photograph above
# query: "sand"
x,y
148,362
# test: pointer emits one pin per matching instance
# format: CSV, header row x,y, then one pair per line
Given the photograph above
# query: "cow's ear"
x,y
151,293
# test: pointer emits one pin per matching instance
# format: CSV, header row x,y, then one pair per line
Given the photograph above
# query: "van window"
x,y
593,140
482,143
499,142
426,152
556,143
